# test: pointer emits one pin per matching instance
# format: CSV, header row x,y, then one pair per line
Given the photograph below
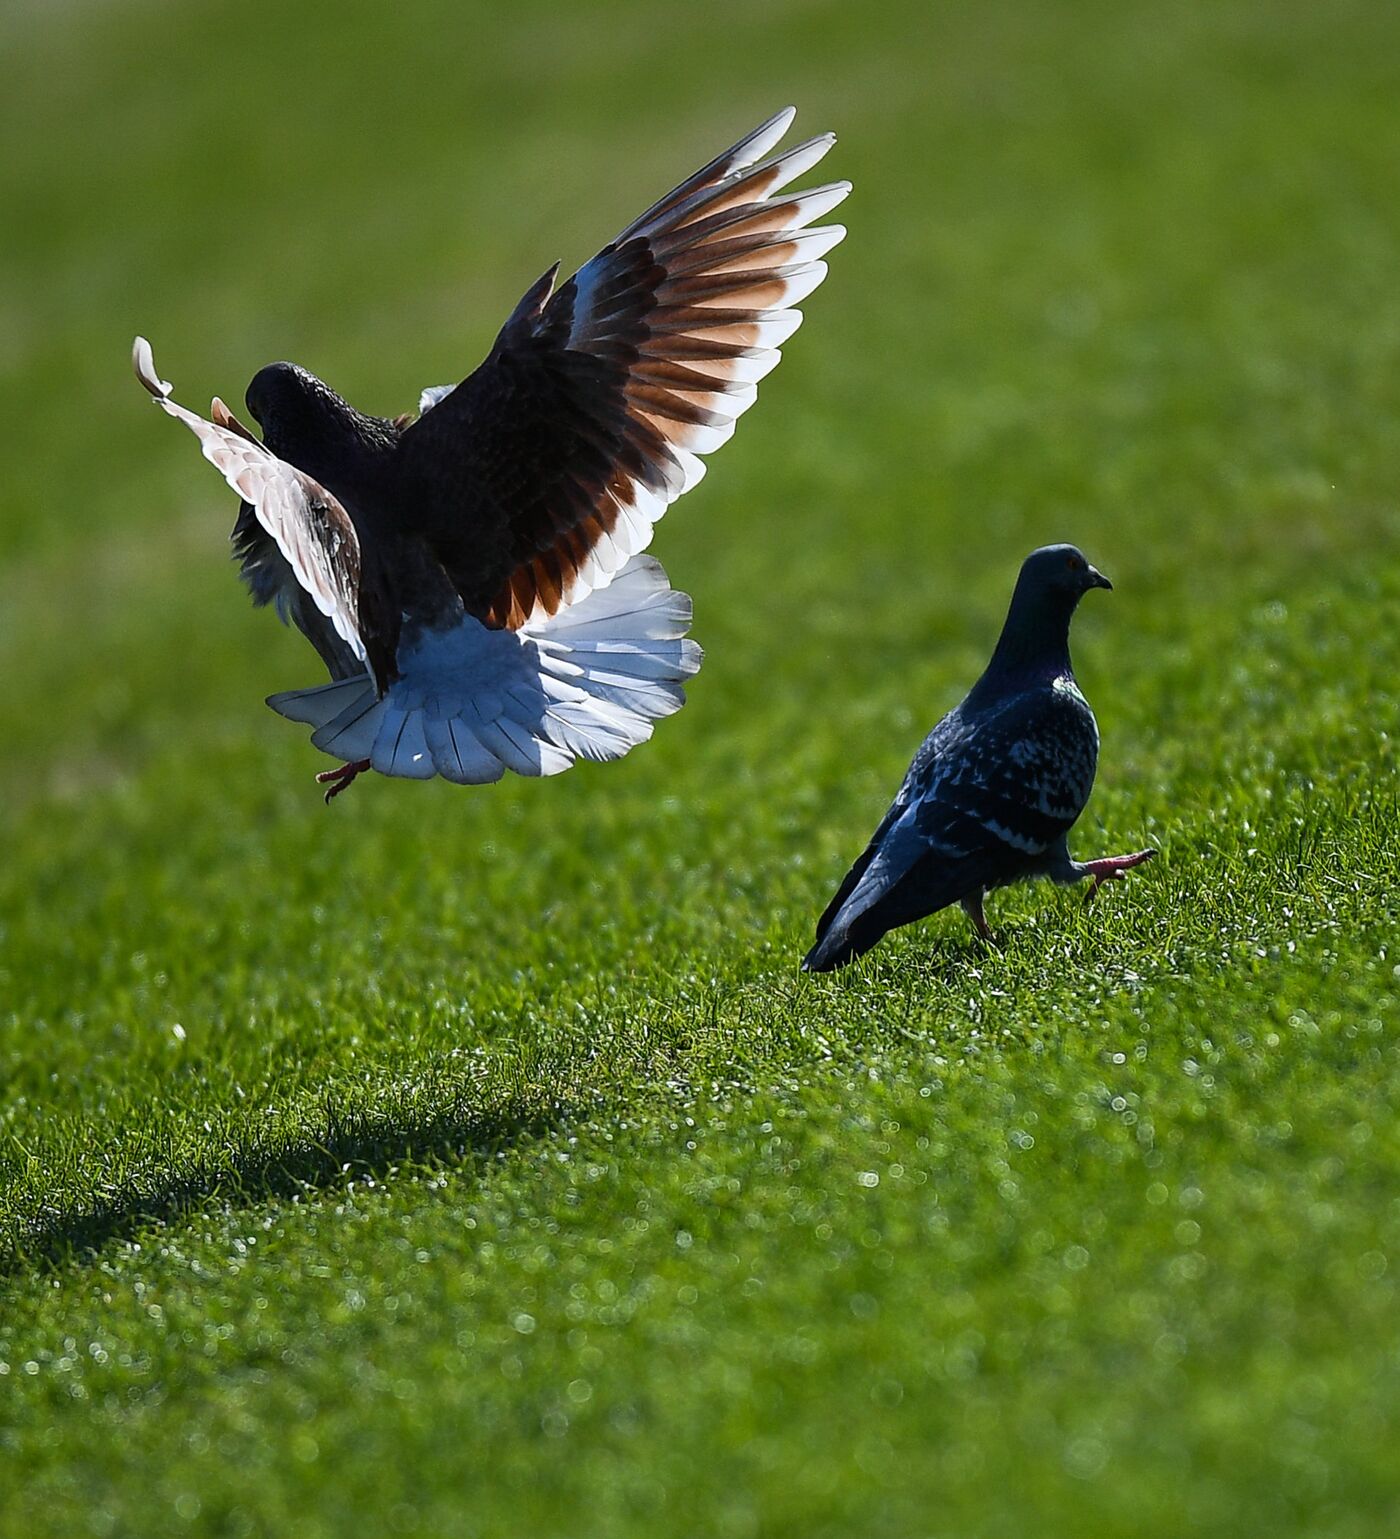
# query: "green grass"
x,y
479,1162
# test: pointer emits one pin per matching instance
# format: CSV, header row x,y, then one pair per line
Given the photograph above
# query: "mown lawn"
x,y
457,1162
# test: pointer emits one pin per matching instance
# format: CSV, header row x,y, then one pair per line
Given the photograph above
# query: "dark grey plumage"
x,y
996,786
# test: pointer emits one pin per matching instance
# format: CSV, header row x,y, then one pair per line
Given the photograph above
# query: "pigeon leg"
x,y
342,777
972,907
1112,868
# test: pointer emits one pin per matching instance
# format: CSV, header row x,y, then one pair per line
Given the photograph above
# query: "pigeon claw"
x,y
1112,868
336,780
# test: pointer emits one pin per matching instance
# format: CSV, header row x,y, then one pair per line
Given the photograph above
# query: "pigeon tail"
x,y
472,703
841,945
865,920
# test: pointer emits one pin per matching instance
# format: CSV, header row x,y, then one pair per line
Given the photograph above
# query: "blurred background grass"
x,y
1110,267
1117,273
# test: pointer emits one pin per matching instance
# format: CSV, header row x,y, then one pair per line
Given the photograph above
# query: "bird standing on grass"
x,y
473,578
996,787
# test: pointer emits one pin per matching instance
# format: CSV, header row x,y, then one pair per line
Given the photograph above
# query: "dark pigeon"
x,y
474,578
996,787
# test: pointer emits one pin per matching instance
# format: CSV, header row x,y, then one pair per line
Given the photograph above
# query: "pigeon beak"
x,y
1098,580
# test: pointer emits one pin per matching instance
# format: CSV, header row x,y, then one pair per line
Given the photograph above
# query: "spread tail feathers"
x,y
471,703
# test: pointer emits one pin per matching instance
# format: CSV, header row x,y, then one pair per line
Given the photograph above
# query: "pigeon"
x,y
474,577
996,786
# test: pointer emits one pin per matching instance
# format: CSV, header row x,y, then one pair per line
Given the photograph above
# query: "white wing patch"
x,y
431,396
1017,841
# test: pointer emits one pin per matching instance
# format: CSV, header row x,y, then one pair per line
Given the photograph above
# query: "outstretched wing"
x,y
541,475
311,530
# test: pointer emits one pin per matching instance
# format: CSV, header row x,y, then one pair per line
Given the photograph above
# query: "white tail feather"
x,y
471,703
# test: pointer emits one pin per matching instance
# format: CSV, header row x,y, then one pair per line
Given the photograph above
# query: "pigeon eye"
x,y
1074,564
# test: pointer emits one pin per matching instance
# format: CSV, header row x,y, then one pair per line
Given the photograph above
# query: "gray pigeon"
x,y
474,578
996,787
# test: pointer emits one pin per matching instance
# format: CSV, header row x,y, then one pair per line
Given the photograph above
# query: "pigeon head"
x,y
286,400
303,420
1036,634
1059,573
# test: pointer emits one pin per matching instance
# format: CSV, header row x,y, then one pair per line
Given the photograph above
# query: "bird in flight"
x,y
473,577
996,787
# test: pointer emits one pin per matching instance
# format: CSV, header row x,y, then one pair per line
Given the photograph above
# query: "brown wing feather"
x,y
543,472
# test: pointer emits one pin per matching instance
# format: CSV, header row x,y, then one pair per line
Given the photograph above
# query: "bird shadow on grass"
x,y
463,1131
356,1146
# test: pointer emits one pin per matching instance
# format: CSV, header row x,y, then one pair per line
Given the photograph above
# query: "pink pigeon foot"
x,y
338,779
1112,868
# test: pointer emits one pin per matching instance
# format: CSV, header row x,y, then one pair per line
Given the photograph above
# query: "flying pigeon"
x,y
996,787
474,578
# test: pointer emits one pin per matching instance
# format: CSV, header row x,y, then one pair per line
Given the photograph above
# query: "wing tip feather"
x,y
143,362
758,141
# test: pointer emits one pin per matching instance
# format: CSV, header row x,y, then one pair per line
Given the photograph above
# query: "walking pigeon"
x,y
996,787
473,578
